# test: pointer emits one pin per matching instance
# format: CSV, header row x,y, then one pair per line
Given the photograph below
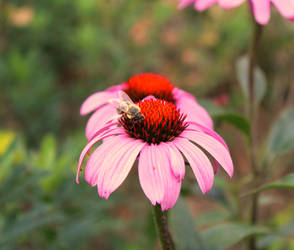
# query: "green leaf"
x,y
281,137
242,68
184,228
236,120
212,217
226,235
285,182
37,217
220,114
10,150
280,234
47,154
211,107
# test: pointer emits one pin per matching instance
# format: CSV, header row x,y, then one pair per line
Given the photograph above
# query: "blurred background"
x,y
53,54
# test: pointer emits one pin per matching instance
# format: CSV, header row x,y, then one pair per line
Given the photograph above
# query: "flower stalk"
x,y
165,237
256,37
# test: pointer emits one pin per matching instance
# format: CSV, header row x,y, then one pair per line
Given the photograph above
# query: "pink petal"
x,y
96,100
179,94
261,10
176,159
285,7
116,88
197,127
100,98
150,175
98,119
120,167
195,113
105,134
212,146
227,4
204,4
172,185
97,158
149,97
184,3
111,158
112,123
199,163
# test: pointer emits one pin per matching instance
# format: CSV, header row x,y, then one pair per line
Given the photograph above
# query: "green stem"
x,y
165,238
256,37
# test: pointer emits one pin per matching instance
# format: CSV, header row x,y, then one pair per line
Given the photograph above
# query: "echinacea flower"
x,y
160,142
139,87
261,8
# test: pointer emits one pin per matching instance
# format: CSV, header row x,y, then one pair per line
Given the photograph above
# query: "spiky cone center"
x,y
162,122
143,85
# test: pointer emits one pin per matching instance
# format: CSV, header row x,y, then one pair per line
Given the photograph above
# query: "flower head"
x,y
138,88
160,141
260,8
163,122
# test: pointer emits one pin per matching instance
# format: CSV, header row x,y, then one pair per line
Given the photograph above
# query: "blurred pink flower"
x,y
260,8
139,87
160,141
221,100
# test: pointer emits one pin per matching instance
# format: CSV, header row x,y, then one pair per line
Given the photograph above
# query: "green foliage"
x,y
226,235
220,114
184,228
59,216
281,136
285,182
242,68
238,121
53,54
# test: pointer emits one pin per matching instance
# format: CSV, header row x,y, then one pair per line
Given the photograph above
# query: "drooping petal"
x,y
199,163
97,157
203,4
96,100
105,134
175,158
227,4
172,184
198,127
285,7
98,120
261,10
119,170
150,176
213,147
184,3
216,166
195,112
111,158
112,123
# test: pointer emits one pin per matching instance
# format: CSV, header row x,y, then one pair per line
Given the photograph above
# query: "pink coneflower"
x,y
260,8
160,142
139,87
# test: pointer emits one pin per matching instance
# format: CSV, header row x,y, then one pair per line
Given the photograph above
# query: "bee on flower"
x,y
137,88
161,140
124,105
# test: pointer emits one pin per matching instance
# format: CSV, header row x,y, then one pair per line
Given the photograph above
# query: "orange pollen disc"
x,y
162,122
143,85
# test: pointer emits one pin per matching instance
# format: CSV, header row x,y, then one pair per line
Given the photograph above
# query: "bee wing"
x,y
115,102
124,97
